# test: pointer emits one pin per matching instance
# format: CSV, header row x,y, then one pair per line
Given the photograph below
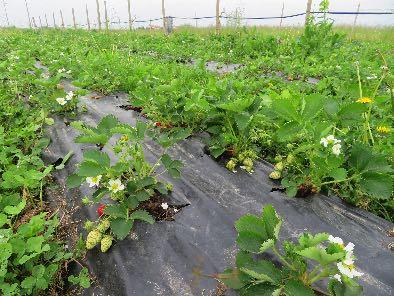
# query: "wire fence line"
x,y
34,23
251,18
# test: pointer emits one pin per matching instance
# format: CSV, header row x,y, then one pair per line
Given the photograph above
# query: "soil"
x,y
67,231
220,289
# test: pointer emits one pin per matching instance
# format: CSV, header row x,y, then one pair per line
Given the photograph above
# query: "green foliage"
x,y
30,255
253,274
81,279
128,182
264,109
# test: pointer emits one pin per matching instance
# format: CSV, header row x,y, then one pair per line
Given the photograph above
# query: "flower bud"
x,y
89,225
103,227
289,146
169,187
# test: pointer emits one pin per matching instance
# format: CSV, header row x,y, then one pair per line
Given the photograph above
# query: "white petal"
x,y
338,278
330,138
348,261
349,247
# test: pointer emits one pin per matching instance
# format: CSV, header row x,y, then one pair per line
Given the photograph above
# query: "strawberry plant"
x,y
128,182
231,128
300,265
33,254
30,254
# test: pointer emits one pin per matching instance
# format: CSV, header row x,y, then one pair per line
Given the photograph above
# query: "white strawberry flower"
x,y
336,149
164,205
330,138
69,96
61,101
94,181
335,240
324,142
373,76
338,278
115,185
347,268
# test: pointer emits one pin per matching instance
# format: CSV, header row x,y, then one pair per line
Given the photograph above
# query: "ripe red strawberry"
x,y
157,124
100,210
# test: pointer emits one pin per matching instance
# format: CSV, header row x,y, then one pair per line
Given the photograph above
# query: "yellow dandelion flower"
x,y
365,100
383,129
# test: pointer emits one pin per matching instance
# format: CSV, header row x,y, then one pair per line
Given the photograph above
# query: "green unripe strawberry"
x,y
275,175
103,227
278,158
289,146
248,162
249,169
231,165
279,166
290,158
94,237
106,243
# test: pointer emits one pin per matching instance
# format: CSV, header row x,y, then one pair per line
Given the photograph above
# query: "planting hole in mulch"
x,y
160,209
131,108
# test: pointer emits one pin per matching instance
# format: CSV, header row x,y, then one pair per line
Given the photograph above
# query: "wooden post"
x,y
106,16
355,21
308,11
34,22
163,12
98,14
281,15
61,17
87,16
129,10
54,20
6,14
28,14
46,20
218,16
39,19
75,23
195,16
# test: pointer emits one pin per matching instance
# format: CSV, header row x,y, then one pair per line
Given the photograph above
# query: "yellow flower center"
x,y
383,129
365,100
351,267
